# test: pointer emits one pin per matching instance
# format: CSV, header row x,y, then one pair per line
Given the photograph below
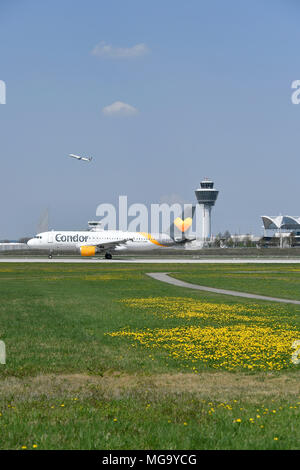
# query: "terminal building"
x,y
12,246
281,222
283,227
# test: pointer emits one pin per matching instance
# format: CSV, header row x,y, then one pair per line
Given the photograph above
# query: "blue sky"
x,y
212,87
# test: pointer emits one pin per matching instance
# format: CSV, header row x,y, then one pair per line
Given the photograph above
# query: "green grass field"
x,y
273,280
104,357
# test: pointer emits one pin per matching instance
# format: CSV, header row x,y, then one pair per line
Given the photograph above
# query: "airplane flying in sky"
x,y
78,157
88,243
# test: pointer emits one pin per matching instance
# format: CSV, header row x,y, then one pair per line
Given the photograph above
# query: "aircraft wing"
x,y
108,244
75,156
181,241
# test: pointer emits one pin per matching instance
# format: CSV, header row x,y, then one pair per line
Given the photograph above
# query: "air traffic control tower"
x,y
206,196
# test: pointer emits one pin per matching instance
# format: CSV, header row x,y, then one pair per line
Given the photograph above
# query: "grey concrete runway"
x,y
155,260
164,277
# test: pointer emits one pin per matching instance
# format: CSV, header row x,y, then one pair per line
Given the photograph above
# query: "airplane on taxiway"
x,y
88,243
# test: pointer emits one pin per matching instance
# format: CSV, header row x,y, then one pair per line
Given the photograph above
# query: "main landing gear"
x,y
108,256
50,256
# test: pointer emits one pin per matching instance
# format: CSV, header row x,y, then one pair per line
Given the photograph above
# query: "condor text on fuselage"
x,y
71,238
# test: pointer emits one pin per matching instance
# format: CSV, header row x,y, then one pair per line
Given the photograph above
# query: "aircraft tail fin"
x,y
181,226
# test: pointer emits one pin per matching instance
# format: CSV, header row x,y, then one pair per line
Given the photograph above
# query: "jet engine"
x,y
87,250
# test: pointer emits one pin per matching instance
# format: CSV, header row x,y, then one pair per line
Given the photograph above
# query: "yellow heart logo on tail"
x,y
183,225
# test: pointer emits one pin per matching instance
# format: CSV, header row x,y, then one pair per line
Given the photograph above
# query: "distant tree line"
x,y
226,240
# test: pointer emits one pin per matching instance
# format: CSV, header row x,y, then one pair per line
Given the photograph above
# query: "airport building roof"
x,y
281,222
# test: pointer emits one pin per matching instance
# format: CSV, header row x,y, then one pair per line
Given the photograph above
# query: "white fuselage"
x,y
102,240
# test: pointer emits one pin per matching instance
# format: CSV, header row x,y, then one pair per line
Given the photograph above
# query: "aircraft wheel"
x,y
50,256
108,256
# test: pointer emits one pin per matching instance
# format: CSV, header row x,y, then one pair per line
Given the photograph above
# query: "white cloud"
x,y
118,108
107,50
